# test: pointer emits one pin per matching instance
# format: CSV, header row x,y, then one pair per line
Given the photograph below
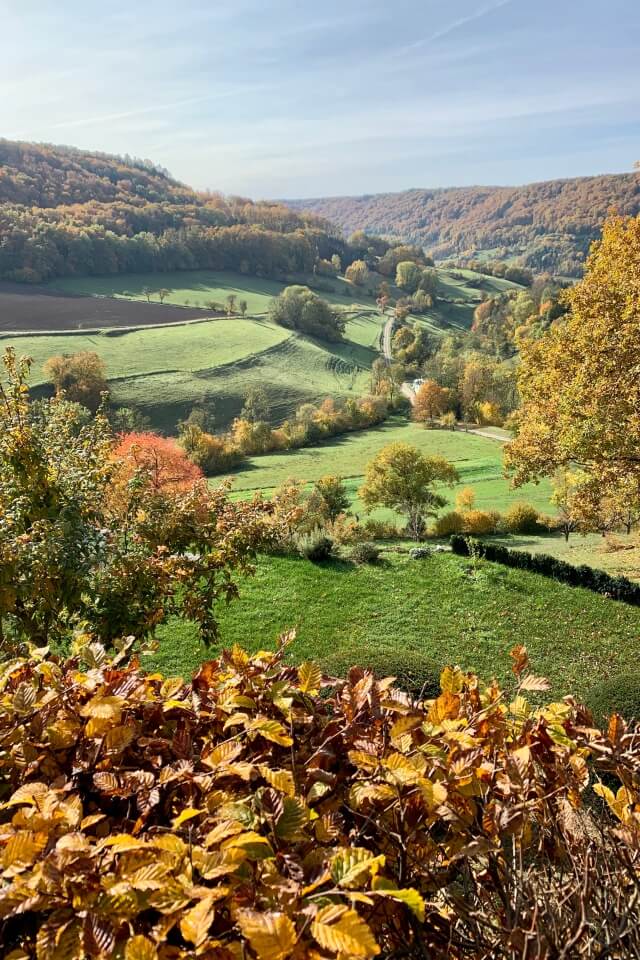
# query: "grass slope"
x,y
164,371
414,614
477,459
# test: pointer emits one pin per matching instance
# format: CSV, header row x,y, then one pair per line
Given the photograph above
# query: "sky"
x,y
294,98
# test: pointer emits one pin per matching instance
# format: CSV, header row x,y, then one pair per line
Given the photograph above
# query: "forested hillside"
x,y
549,226
65,212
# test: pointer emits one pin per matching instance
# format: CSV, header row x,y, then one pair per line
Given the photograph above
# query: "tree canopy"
x,y
298,308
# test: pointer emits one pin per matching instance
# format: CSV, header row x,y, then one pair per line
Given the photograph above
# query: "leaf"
x,y
451,680
187,814
24,698
292,819
195,924
103,708
23,848
343,931
140,948
310,677
534,683
272,936
408,896
520,659
118,739
281,780
350,864
271,730
170,687
434,794
256,846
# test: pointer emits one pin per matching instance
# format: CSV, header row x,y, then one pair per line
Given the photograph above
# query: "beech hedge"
x,y
617,588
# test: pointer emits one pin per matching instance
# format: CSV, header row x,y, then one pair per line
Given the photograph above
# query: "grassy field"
x,y
412,617
477,459
617,553
164,371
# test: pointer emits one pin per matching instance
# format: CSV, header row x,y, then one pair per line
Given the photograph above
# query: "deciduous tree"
x,y
401,478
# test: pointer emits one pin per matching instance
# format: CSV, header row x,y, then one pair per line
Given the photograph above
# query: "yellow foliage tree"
x,y
579,383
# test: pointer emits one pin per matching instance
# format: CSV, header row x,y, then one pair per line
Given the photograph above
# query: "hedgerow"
x,y
263,811
618,588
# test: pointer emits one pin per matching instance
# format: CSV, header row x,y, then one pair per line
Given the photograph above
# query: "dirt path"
x,y
405,388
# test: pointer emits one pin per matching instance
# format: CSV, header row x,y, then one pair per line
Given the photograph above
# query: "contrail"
x,y
461,22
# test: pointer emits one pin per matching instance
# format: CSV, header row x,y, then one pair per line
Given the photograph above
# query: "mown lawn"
x,y
408,617
477,459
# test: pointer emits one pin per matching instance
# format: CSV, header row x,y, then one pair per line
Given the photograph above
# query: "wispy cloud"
x,y
456,24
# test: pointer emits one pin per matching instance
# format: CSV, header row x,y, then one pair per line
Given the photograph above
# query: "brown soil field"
x,y
38,309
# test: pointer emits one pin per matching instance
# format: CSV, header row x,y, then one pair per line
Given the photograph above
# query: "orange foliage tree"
x,y
163,462
431,401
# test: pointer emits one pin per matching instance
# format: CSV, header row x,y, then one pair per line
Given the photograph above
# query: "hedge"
x,y
617,588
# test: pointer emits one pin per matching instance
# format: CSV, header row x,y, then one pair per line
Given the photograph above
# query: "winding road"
x,y
500,436
387,334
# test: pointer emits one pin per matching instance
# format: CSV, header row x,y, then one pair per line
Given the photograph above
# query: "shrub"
x,y
619,694
365,553
345,530
414,671
245,815
617,588
315,546
521,518
382,530
421,553
481,522
448,523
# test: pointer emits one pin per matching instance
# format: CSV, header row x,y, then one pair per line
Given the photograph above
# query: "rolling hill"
x,y
547,226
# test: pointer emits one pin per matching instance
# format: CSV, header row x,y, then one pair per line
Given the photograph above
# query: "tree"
x,y
466,500
243,306
231,304
298,308
332,496
337,263
81,377
408,276
159,460
401,478
105,545
579,382
256,405
163,293
431,402
357,273
148,293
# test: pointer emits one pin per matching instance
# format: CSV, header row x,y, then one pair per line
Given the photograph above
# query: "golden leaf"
x,y
451,680
352,864
118,739
292,819
187,814
195,924
281,780
23,848
256,846
538,684
103,708
271,730
310,677
341,930
272,936
140,948
170,687
409,896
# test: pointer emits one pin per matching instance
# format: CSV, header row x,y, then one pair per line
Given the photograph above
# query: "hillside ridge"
x,y
546,225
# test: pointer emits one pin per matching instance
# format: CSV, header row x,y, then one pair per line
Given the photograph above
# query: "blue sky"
x,y
275,98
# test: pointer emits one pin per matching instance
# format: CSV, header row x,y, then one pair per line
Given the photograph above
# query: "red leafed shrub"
x,y
263,812
162,462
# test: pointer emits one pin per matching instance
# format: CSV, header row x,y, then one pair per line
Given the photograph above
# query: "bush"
x,y
421,553
315,546
481,522
619,694
264,811
617,588
382,530
414,672
448,523
521,518
365,553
